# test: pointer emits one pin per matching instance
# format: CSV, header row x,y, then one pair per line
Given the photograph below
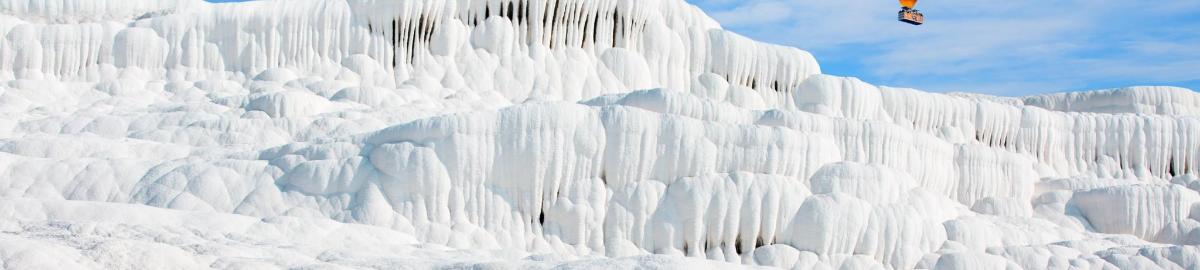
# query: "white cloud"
x,y
755,14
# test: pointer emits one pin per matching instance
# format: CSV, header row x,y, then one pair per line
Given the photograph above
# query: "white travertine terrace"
x,y
544,133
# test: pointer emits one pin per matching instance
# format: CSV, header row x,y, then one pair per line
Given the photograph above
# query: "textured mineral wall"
x,y
542,133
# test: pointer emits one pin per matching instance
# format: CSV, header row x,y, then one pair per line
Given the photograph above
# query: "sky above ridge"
x,y
1011,48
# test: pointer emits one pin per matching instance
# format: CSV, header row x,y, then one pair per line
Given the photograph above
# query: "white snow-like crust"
x,y
591,134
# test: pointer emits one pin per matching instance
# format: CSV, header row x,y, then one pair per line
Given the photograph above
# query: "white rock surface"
x,y
592,134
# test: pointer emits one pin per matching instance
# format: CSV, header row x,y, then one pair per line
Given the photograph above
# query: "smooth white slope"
x,y
89,235
570,127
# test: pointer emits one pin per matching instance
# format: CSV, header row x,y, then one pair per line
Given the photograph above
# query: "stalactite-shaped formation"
x,y
595,26
551,23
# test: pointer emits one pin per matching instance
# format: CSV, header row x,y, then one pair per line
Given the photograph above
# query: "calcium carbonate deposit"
x,y
594,134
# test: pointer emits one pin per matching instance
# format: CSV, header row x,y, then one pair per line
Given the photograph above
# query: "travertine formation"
x,y
542,133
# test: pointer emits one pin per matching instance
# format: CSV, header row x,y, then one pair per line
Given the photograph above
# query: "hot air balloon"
x,y
909,13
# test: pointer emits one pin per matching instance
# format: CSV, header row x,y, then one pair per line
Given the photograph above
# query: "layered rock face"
x,y
542,133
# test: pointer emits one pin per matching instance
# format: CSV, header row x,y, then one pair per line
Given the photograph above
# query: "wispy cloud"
x,y
999,47
757,13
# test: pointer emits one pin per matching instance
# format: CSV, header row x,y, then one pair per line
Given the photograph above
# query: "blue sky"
x,y
1012,47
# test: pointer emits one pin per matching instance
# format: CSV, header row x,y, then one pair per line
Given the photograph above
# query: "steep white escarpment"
x,y
546,50
1123,145
1143,100
548,133
1169,219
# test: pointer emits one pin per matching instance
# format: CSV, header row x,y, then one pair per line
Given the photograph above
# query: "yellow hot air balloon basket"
x,y
912,16
909,14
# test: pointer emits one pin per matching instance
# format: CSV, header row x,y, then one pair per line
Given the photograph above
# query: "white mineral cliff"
x,y
586,134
